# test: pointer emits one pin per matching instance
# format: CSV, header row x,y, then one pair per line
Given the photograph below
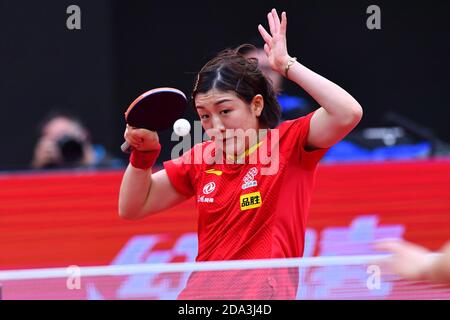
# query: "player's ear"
x,y
257,104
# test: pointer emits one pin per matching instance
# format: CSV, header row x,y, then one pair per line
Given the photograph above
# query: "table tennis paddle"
x,y
155,110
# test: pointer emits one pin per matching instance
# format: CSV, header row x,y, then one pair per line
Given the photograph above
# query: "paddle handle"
x,y
125,147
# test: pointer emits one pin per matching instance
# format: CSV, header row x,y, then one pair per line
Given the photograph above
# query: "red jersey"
x,y
244,213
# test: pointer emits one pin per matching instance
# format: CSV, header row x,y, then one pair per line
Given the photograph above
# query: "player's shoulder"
x,y
197,147
201,147
197,153
284,126
287,124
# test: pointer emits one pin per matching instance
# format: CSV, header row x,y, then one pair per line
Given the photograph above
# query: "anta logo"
x,y
208,188
250,201
249,179
214,171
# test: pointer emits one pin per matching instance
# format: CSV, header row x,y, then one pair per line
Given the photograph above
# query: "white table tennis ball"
x,y
182,127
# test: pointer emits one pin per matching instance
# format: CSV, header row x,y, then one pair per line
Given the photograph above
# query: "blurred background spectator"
x,y
64,142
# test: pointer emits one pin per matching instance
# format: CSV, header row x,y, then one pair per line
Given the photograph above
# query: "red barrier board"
x,y
71,218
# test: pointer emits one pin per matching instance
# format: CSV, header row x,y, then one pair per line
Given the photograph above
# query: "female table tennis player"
x,y
244,214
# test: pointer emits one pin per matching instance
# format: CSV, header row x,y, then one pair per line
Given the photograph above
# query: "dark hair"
x,y
253,44
230,70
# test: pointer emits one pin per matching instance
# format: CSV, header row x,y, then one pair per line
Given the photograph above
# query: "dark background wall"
x,y
44,67
127,47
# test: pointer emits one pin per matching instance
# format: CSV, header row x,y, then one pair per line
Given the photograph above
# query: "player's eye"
x,y
204,116
226,111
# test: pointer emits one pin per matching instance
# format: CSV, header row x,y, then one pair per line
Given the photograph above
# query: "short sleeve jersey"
x,y
249,211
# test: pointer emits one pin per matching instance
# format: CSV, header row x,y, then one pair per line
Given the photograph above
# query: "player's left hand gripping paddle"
x,y
155,110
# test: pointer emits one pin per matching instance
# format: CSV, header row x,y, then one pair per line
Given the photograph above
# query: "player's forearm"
x,y
134,191
335,100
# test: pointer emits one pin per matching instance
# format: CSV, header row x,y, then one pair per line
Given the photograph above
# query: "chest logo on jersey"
x,y
249,179
209,187
250,201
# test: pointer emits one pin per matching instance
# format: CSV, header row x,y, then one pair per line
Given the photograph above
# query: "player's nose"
x,y
217,124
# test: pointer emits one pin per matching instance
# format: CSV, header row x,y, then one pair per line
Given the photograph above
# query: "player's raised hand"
x,y
275,41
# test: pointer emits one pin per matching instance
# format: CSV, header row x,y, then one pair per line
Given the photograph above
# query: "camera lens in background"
x,y
71,149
